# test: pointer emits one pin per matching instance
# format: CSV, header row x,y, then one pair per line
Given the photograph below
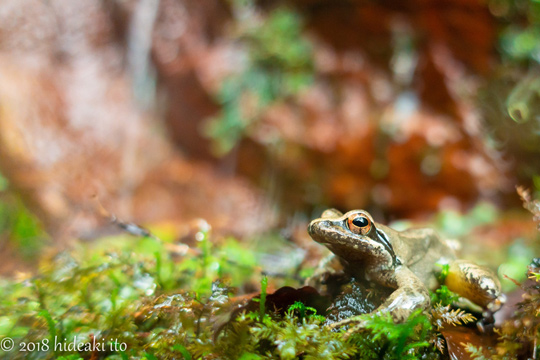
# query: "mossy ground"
x,y
145,298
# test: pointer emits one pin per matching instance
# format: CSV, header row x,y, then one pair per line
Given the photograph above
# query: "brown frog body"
x,y
405,261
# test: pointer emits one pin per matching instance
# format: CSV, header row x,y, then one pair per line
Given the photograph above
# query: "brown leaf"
x,y
457,337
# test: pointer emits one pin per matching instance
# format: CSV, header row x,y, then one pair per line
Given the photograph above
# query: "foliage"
x,y
443,296
519,40
388,340
164,300
18,225
278,65
302,311
519,336
291,337
264,284
122,290
453,223
443,314
468,228
532,205
118,290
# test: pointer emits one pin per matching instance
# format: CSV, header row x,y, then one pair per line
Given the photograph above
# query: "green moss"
x,y
130,291
22,229
136,293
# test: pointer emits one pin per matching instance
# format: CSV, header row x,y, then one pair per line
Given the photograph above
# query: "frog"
x,y
407,262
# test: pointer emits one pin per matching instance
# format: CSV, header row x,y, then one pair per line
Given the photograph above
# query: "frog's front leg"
x,y
410,294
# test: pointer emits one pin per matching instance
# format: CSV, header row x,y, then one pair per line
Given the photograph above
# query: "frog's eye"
x,y
359,224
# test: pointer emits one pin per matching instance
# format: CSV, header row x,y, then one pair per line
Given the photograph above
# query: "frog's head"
x,y
352,236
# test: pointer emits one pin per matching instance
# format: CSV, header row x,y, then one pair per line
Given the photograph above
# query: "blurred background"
x,y
256,116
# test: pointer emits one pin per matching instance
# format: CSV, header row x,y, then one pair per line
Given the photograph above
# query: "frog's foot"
x,y
487,323
476,283
479,285
496,304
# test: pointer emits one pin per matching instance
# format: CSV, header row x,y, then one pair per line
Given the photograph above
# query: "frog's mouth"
x,y
336,236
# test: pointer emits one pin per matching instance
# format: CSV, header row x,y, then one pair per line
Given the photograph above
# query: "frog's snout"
x,y
315,229
311,228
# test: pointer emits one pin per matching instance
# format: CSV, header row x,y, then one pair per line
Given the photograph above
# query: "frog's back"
x,y
421,249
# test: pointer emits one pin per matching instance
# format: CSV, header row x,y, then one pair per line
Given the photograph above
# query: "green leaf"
x,y
262,304
182,350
